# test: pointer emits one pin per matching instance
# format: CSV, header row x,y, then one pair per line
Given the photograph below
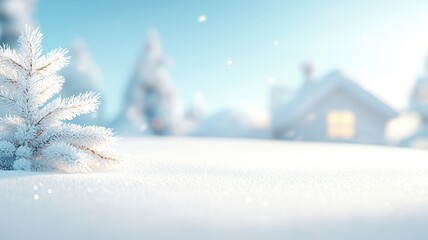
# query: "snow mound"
x,y
171,188
243,122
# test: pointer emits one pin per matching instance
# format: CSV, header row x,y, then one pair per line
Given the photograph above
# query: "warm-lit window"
x,y
423,95
340,124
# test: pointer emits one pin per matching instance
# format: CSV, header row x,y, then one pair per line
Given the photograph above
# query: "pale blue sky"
x,y
379,43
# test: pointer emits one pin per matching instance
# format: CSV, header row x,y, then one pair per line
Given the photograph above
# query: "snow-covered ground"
x,y
226,189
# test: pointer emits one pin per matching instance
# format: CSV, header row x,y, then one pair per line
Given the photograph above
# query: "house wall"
x,y
369,125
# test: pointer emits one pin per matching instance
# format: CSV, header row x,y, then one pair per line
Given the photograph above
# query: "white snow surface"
x,y
178,188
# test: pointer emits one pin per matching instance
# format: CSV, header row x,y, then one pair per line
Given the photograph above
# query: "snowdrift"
x,y
235,122
171,188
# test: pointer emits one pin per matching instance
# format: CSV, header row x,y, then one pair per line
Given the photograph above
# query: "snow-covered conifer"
x,y
35,136
150,97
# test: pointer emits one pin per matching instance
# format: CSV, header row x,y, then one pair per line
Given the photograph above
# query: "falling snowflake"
x,y
36,197
229,63
275,43
202,18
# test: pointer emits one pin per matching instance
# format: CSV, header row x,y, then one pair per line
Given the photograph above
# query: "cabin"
x,y
332,109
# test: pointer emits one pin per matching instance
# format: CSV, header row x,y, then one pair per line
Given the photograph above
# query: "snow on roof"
x,y
314,92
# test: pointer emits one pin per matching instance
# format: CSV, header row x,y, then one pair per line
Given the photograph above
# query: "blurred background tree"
x,y
150,101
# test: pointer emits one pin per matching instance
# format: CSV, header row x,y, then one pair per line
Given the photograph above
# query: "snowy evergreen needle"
x,y
35,137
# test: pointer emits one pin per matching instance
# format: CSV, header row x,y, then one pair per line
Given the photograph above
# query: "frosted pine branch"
x,y
52,62
6,100
86,136
48,87
35,137
30,44
61,151
9,125
68,108
7,150
8,79
10,59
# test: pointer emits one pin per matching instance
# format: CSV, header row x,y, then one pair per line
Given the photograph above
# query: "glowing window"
x,y
340,124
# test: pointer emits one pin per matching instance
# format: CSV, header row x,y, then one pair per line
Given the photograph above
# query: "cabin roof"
x,y
308,96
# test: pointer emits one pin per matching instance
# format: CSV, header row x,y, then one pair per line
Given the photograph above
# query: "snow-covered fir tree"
x,y
35,136
83,75
150,98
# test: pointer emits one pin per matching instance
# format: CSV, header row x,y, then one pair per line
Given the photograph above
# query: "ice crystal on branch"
x,y
35,137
